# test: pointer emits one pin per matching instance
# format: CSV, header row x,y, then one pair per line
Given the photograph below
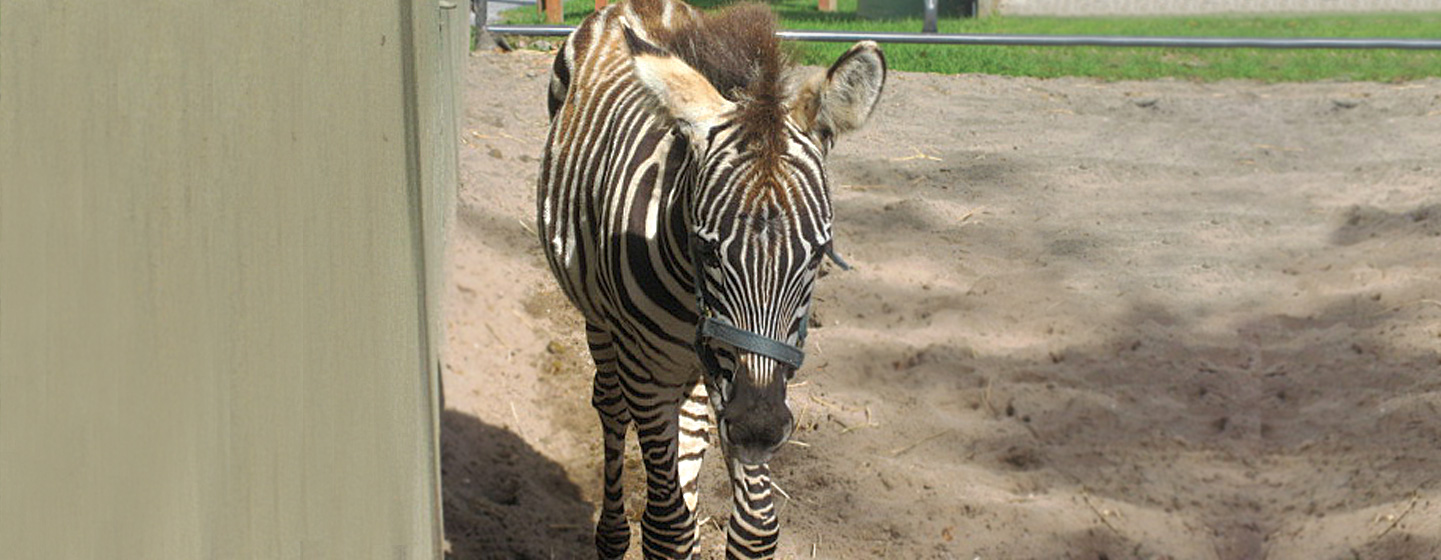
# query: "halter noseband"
x,y
709,327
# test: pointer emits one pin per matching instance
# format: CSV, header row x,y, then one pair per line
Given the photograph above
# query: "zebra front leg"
x,y
612,531
669,524
694,439
753,530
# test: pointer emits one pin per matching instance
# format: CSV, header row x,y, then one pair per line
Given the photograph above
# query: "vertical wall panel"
x,y
216,222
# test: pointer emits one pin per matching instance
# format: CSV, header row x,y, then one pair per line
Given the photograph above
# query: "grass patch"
x,y
1117,63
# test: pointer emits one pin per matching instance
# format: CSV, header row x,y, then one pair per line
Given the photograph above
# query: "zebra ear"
x,y
679,91
841,99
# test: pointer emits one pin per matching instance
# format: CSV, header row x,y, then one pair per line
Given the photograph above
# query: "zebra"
x,y
684,209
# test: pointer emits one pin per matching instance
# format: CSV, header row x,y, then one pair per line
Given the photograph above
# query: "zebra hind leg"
x,y
612,531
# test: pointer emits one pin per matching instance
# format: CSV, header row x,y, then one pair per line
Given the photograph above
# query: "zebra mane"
x,y
737,50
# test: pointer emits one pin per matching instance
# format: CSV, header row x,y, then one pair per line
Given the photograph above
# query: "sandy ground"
x,y
1087,320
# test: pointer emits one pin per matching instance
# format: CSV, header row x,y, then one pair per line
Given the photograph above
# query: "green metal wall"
x,y
220,248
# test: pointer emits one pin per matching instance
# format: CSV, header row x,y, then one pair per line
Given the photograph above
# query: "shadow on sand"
x,y
504,500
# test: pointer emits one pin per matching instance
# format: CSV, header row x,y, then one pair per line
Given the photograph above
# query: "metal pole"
x,y
930,25
1114,41
532,30
1051,40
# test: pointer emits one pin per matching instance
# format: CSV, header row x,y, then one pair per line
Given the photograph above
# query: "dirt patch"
x,y
1087,320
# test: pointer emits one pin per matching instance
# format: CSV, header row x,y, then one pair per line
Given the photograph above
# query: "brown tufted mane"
x,y
736,49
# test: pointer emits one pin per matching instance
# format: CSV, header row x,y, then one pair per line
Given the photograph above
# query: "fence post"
x,y
554,10
481,14
931,15
826,5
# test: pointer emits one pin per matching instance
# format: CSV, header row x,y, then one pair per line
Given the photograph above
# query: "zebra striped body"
x,y
664,169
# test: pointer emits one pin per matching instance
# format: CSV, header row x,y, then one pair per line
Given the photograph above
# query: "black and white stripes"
x,y
683,149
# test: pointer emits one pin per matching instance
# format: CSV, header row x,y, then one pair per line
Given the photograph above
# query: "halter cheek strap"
x,y
712,328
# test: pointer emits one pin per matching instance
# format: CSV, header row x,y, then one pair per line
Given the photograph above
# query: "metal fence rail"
x,y
1050,40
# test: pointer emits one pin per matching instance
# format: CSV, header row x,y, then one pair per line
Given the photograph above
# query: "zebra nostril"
x,y
754,437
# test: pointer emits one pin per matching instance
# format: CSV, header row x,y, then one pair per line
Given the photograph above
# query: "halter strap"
x,y
711,328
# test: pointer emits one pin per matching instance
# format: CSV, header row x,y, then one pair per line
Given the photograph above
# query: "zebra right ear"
x,y
842,98
679,91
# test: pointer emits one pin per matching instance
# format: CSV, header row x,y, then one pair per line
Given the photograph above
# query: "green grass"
x,y
1118,63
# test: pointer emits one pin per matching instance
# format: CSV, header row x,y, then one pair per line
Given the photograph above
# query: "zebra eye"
x,y
825,138
710,253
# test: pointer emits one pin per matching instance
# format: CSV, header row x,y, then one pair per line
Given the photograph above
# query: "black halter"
x,y
710,327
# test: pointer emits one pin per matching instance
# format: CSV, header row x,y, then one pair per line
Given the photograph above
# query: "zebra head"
x,y
759,218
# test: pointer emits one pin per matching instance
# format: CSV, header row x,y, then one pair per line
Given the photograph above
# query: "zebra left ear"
x,y
678,90
841,99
